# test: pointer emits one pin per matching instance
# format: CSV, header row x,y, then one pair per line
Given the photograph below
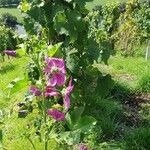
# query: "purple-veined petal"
x,y
51,91
67,94
61,78
52,81
47,70
56,114
67,102
58,62
34,90
70,86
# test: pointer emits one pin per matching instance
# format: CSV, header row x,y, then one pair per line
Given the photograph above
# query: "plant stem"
x,y
45,121
45,108
31,143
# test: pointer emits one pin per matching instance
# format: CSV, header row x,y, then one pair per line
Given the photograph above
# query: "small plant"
x,y
144,83
137,139
110,146
145,113
49,98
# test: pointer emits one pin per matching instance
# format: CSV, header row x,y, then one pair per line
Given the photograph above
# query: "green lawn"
x,y
14,11
91,5
133,71
9,70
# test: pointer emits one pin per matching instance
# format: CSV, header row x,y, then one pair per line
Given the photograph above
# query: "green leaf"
x,y
104,85
21,51
53,49
93,50
1,136
85,124
17,85
71,137
60,23
76,114
72,63
74,117
25,6
82,3
107,50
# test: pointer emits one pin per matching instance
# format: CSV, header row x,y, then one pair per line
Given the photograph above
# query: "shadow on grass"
x,y
7,68
109,114
118,111
121,92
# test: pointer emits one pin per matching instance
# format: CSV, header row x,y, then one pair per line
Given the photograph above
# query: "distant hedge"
x,y
9,2
8,20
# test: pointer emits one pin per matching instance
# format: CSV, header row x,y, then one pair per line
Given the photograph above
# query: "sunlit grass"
x,y
132,70
92,4
13,11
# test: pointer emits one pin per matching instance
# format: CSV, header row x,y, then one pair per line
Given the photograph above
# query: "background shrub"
x,y
7,40
9,2
8,20
115,20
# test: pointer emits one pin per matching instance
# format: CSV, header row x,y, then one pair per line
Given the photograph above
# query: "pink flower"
x,y
10,52
83,147
51,91
34,90
55,71
56,114
67,94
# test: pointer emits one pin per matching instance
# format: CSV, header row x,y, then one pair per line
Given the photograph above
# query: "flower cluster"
x,y
55,71
35,91
55,79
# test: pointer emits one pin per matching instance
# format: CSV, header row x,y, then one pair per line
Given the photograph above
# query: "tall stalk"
x,y
44,101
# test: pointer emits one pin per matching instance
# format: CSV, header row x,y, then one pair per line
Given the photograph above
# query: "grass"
x,y
134,71
144,83
131,75
91,4
14,11
138,139
10,70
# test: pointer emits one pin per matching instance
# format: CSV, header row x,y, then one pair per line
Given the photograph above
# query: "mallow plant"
x,y
49,99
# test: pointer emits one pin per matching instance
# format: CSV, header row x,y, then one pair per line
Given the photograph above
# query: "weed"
x,y
144,83
138,139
